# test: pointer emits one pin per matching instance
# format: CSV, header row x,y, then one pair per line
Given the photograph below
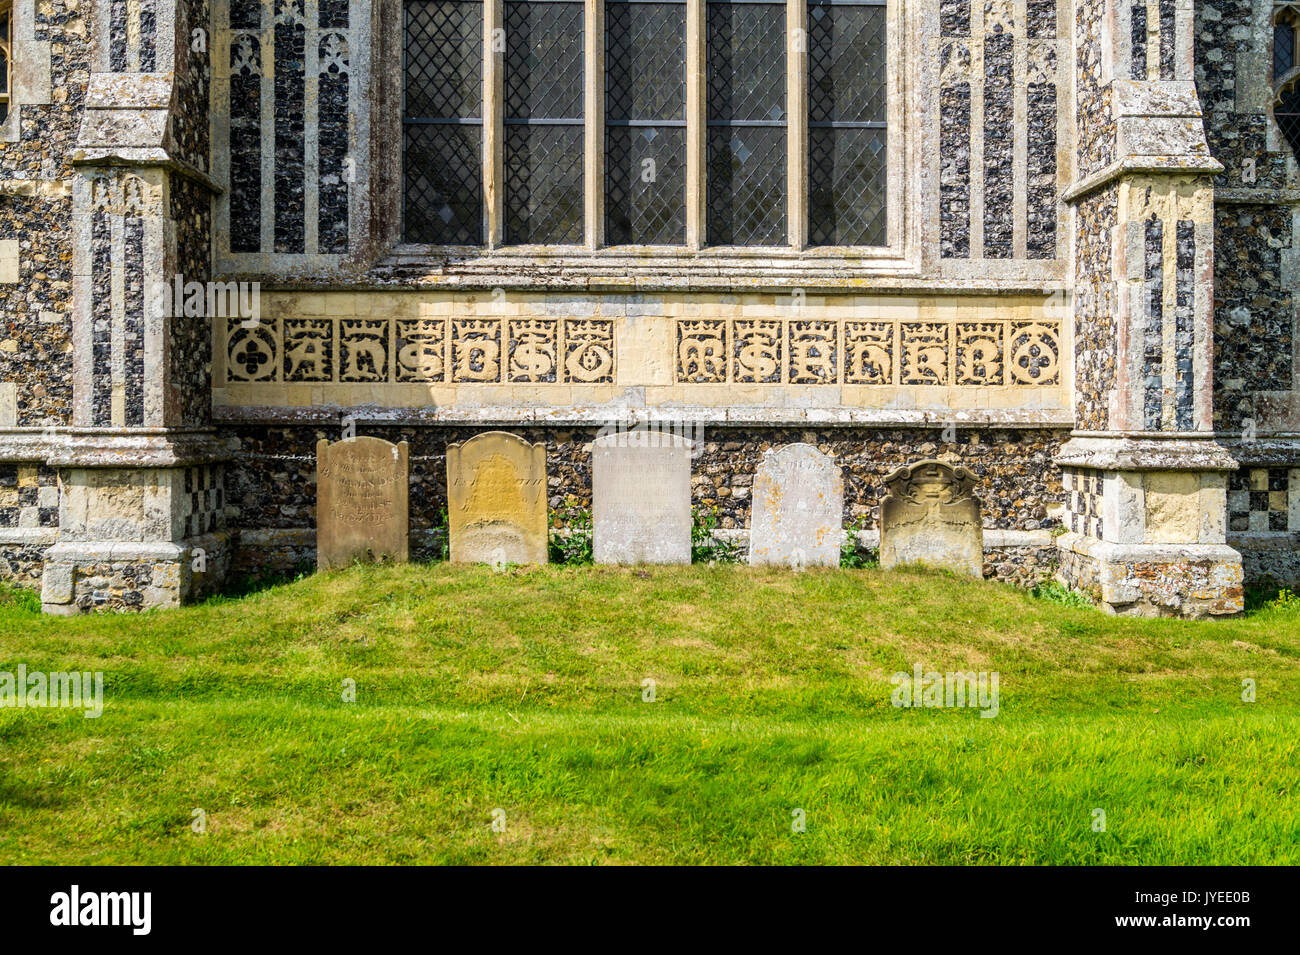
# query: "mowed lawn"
x,y
518,696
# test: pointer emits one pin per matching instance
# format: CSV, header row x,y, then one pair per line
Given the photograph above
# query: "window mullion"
x,y
494,46
594,54
797,123
696,90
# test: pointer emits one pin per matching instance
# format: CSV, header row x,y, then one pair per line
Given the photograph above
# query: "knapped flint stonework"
x,y
1095,345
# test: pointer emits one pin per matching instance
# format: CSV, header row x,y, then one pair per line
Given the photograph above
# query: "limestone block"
x,y
8,261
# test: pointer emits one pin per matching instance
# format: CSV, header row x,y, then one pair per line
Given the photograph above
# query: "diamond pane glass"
x,y
444,184
444,59
645,61
543,60
847,113
1287,114
746,62
747,123
846,63
746,185
443,122
645,109
846,186
1283,50
645,185
543,117
543,200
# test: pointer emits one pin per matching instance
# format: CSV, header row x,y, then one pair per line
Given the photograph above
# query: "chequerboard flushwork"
x,y
1263,500
29,496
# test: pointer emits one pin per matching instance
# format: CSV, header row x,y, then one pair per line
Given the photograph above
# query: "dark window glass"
x,y
1283,50
746,141
443,126
1287,114
4,63
543,122
847,110
645,119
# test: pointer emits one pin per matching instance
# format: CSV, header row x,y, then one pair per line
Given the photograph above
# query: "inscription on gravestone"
x,y
496,500
362,507
930,515
641,498
798,512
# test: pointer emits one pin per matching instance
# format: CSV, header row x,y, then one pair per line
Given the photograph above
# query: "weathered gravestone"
x,y
641,498
797,516
496,500
362,508
930,515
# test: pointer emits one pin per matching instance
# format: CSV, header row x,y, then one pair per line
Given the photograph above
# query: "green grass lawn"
x,y
522,691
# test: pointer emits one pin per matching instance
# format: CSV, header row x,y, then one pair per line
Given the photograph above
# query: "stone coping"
x,y
1117,452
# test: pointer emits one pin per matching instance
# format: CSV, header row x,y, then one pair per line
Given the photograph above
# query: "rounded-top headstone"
x,y
797,515
496,500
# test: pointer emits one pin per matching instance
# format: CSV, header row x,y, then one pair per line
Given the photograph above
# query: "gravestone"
x,y
930,515
496,500
641,498
362,507
797,515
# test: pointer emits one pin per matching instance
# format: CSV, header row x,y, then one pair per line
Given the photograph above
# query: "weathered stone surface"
x,y
362,509
930,515
496,496
641,490
798,509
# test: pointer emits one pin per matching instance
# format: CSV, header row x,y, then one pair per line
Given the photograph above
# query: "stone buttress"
x,y
140,514
1145,478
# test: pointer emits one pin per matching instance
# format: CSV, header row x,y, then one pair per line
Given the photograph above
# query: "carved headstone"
x,y
797,516
641,498
362,509
496,500
930,515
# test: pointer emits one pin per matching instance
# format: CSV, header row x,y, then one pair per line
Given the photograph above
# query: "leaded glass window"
x,y
656,123
645,122
544,122
6,45
746,122
444,121
847,109
1286,107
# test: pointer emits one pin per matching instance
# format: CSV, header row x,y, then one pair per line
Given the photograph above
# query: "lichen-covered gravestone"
x,y
496,500
798,511
641,498
362,508
930,515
